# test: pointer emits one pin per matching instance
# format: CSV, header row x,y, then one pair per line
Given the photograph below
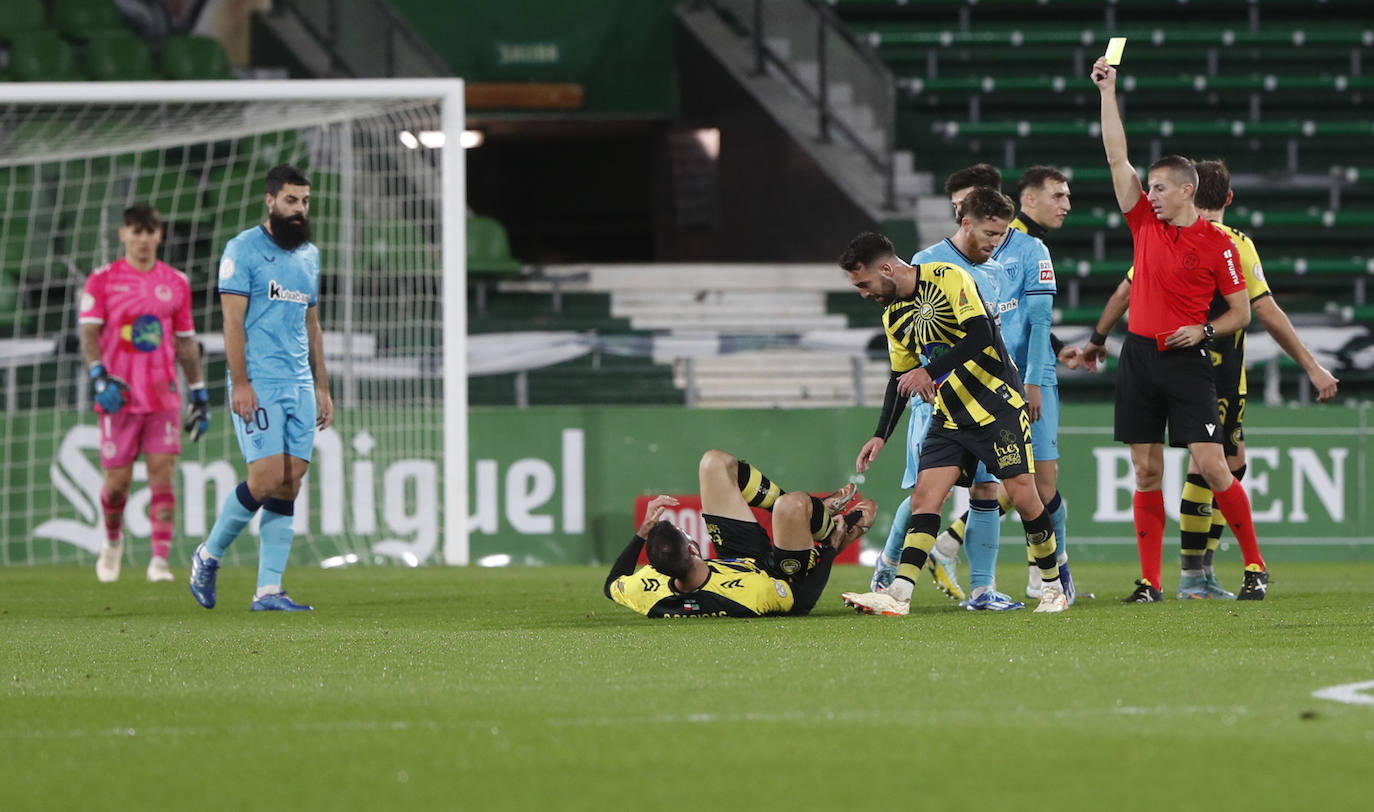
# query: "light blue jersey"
x,y
1027,316
990,276
280,286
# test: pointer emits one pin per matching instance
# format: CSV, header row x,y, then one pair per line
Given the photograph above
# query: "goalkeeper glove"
x,y
107,390
197,412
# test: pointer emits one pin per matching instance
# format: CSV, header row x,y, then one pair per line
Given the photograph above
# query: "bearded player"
x,y
278,388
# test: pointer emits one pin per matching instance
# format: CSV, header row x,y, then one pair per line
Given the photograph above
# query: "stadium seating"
x,y
80,19
21,18
118,55
194,57
1278,92
42,56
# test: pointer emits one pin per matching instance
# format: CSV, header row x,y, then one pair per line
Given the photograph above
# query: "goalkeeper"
x,y
754,576
130,311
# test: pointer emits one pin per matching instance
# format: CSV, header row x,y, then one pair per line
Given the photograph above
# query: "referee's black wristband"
x,y
1098,338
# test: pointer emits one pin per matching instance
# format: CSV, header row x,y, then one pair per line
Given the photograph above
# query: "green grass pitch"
x,y
525,689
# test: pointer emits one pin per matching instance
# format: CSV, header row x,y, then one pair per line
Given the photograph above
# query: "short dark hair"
x,y
666,549
1036,177
866,249
1179,165
283,174
976,175
985,203
143,216
1213,184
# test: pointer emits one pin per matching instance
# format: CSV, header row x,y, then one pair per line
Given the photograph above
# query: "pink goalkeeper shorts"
x,y
124,435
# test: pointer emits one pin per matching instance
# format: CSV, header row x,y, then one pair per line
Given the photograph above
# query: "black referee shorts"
x,y
1173,387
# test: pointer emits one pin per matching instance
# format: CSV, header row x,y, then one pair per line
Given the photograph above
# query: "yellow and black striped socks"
x,y
920,538
1195,522
758,490
1041,543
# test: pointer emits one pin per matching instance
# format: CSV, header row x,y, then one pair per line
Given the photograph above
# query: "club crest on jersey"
x,y
163,293
278,293
145,333
1191,260
1046,270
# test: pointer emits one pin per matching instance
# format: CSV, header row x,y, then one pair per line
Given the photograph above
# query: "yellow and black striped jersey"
x,y
736,587
1228,352
929,324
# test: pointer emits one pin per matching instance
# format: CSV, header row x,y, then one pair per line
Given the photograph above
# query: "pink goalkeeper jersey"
x,y
139,312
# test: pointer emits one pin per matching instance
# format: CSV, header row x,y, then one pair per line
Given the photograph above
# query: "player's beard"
x,y
290,232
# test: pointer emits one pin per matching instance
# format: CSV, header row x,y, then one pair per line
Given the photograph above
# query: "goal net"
x,y
387,213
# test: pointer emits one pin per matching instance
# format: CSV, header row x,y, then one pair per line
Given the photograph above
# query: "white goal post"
x,y
389,214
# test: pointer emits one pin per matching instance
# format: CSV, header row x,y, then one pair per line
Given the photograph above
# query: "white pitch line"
x,y
1352,693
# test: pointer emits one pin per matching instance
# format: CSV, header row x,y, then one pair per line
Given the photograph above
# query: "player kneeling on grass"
x,y
754,576
130,310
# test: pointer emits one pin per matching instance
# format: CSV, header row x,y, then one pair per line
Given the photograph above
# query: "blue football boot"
x,y
204,571
279,602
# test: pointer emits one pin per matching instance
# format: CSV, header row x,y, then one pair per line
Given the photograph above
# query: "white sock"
x,y
264,591
900,589
205,554
978,590
948,547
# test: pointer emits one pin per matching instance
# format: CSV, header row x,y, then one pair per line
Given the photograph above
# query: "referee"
x,y
1181,260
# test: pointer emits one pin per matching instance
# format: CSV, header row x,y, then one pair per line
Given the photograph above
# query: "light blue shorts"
x,y
916,427
1045,431
283,424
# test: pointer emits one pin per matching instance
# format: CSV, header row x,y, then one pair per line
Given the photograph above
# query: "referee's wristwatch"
x,y
1209,331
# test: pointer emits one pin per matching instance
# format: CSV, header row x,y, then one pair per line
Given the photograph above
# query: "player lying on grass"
x,y
754,576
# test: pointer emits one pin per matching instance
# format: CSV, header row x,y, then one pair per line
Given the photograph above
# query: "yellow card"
x,y
1114,48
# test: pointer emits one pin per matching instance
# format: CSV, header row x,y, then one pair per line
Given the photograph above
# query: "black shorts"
x,y
735,538
1173,387
1003,446
1228,375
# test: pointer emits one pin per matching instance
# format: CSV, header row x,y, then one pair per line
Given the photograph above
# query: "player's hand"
x,y
917,382
244,402
324,407
1104,75
107,390
197,421
1071,356
1034,401
653,513
869,453
1094,356
1324,382
1186,336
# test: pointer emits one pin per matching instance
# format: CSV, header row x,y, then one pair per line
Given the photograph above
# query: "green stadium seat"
x,y
21,18
118,56
79,19
395,247
489,248
193,57
43,56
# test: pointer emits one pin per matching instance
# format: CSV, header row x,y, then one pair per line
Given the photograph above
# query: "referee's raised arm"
x,y
1125,181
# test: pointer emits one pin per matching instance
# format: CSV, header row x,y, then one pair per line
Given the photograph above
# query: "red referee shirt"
x,y
1177,271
